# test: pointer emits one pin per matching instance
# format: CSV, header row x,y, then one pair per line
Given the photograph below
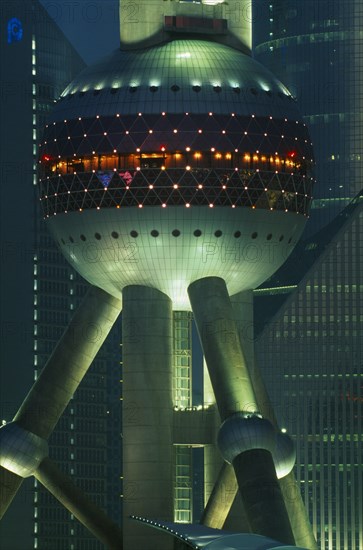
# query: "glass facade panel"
x,y
321,394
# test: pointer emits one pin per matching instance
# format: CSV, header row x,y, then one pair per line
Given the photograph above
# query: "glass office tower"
x,y
315,48
314,340
39,291
314,346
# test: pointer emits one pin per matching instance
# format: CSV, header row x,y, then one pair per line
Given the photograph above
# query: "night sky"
x,y
92,26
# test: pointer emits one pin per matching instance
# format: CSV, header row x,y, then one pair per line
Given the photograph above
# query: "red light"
x,y
291,154
162,148
46,158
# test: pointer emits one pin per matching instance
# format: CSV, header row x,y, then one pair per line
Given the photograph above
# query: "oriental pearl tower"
x,y
175,174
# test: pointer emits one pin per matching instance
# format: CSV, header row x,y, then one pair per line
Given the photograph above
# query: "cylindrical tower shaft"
x,y
221,499
9,485
254,468
147,413
144,22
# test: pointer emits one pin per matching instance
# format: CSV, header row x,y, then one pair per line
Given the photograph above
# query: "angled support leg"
x,y
69,362
242,304
220,501
9,485
245,438
63,489
23,442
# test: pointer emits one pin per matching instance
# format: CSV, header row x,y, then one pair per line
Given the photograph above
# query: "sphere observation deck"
x,y
163,165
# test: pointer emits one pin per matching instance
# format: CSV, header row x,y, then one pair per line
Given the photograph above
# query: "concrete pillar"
x,y
147,414
213,463
235,397
63,489
9,486
218,333
69,362
61,376
221,499
239,15
242,304
299,520
262,498
208,394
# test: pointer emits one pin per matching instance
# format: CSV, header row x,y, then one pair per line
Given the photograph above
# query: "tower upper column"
x,y
144,23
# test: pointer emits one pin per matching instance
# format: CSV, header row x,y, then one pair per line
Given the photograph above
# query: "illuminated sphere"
x,y
21,451
243,432
284,455
168,164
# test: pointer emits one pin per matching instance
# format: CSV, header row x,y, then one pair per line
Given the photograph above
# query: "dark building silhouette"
x,y
310,311
315,49
313,346
40,291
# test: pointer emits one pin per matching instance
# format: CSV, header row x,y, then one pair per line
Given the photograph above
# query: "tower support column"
x,y
69,362
147,414
242,304
52,391
245,438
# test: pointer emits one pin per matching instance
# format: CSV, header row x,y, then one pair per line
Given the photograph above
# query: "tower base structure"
x,y
245,439
147,413
23,442
148,400
220,511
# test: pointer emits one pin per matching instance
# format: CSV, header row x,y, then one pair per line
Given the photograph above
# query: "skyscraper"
x,y
315,48
316,337
313,346
39,290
